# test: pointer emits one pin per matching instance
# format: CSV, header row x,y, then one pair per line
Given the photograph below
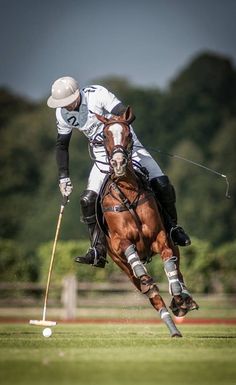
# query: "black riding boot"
x,y
96,254
165,195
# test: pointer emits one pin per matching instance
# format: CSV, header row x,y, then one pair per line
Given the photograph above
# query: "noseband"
x,y
120,149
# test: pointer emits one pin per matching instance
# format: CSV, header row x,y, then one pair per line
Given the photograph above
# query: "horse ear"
x,y
128,115
102,118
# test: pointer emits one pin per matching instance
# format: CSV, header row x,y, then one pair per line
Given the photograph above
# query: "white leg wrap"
x,y
185,290
175,287
134,261
165,316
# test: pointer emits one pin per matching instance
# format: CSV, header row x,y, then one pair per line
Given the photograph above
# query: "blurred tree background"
x,y
194,118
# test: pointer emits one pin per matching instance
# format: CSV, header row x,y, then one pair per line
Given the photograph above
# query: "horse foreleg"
x,y
150,289
171,262
182,301
137,273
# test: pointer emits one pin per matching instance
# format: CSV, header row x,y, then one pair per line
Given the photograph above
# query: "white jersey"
x,y
97,99
94,99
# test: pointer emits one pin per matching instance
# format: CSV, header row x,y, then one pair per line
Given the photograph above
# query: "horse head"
x,y
118,140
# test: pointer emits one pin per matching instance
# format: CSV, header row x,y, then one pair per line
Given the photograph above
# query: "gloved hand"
x,y
65,186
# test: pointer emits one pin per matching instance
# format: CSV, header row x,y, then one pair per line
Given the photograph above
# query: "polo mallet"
x,y
43,321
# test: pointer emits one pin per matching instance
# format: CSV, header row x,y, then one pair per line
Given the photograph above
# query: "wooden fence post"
x,y
69,296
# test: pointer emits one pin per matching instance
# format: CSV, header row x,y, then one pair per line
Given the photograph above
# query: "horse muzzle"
x,y
119,163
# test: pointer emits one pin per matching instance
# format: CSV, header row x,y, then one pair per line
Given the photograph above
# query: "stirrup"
x,y
179,237
92,257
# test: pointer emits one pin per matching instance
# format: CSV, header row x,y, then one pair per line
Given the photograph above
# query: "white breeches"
x,y
141,155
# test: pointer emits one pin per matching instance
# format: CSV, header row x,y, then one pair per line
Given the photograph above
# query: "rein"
x,y
126,204
227,193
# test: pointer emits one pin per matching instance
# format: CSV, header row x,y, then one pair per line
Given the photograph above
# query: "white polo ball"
x,y
47,332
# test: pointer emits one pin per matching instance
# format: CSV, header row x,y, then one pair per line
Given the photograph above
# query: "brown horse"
x,y
135,227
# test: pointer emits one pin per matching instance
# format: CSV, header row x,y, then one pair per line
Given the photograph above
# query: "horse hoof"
x,y
177,309
194,306
179,312
181,309
191,304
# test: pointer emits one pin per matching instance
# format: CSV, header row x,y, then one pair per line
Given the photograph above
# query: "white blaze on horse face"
x,y
116,130
118,160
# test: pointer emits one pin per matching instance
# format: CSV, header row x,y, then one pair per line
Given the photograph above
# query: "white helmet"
x,y
65,91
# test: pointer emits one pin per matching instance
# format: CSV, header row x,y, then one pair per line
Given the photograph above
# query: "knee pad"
x,y
165,195
87,203
163,189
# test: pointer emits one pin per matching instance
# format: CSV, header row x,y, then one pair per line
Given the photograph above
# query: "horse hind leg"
x,y
146,285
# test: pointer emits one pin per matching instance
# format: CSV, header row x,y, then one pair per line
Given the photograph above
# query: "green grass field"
x,y
112,354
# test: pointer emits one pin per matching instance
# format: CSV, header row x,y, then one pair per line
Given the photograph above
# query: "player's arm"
x,y
111,104
119,109
62,157
62,154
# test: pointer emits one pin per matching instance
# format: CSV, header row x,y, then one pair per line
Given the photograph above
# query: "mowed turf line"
x,y
112,354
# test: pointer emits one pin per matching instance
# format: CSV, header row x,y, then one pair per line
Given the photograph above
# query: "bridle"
x,y
125,151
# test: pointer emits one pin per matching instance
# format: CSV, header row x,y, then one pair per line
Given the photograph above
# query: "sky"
x,y
147,42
